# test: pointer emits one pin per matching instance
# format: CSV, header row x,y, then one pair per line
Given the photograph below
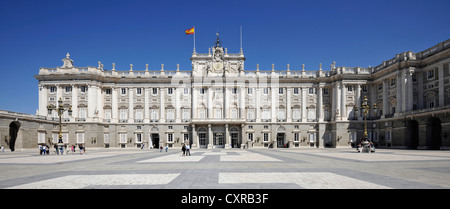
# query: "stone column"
x,y
338,110
385,98
320,104
194,103
241,102
274,104
304,96
343,102
258,105
227,137
194,136
130,106
357,114
146,105
441,84
210,105
177,105
162,106
399,97
114,105
43,100
99,109
210,137
409,89
288,105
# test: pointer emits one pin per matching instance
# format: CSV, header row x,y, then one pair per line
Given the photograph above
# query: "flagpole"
x,y
194,38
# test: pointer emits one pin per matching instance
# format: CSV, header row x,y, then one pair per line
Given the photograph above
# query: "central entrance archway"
x,y
218,140
434,133
281,140
412,134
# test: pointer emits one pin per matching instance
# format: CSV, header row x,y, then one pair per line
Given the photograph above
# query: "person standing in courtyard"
x,y
188,150
3,149
183,148
167,147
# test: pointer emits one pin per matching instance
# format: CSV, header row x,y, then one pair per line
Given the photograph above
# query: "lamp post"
x,y
60,108
366,108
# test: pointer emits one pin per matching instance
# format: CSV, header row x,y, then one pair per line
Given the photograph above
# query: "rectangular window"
x,y
80,137
218,113
349,88
170,114
65,137
250,90
430,74
138,114
280,90
251,114
234,113
123,114
106,138
83,88
108,91
296,114
123,91
139,138
266,137
139,91
123,138
154,115
186,91
170,91
296,137
154,91
82,113
52,89
186,114
107,114
170,138
295,90
202,113
312,137
41,137
266,91
250,136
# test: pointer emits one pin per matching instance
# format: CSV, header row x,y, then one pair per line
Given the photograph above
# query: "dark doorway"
x,y
412,134
235,140
281,140
203,140
434,133
155,140
13,129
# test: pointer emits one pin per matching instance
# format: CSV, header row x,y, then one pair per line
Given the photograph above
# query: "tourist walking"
x,y
183,148
188,150
3,149
167,147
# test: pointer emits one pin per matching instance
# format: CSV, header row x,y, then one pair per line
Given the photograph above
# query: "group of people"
x,y
45,149
365,143
186,150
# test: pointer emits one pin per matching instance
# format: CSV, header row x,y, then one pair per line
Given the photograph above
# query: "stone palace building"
x,y
219,104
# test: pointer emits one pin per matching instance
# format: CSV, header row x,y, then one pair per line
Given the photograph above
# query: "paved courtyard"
x,y
227,169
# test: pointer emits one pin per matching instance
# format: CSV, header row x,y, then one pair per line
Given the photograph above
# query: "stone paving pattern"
x,y
227,169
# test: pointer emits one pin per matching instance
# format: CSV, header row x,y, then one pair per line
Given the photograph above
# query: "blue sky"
x,y
36,34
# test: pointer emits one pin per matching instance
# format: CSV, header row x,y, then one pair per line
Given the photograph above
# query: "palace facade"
x,y
219,104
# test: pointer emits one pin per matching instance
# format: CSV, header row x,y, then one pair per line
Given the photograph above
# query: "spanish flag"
x,y
190,31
